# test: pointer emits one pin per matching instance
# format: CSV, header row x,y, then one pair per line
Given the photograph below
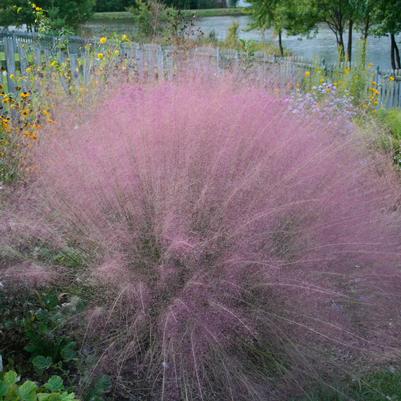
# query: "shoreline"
x,y
200,13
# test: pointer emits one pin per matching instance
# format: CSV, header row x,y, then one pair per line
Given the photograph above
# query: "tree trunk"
x,y
341,47
397,55
392,54
338,30
365,35
280,42
349,45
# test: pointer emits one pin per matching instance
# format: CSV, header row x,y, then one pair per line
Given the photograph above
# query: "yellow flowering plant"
x,y
43,84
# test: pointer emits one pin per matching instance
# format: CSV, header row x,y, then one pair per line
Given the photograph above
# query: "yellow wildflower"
x,y
103,40
25,95
125,38
392,78
374,83
5,122
100,56
29,70
307,74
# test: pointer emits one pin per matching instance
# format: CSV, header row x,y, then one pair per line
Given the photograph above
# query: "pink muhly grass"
x,y
26,276
240,239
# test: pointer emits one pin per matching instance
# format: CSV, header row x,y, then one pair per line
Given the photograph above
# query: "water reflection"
x,y
321,45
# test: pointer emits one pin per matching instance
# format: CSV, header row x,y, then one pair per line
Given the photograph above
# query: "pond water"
x,y
320,45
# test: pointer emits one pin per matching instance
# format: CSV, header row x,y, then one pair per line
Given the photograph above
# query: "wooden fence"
x,y
21,49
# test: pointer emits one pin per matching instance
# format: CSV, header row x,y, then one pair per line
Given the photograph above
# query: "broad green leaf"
x,y
68,352
50,397
55,383
43,397
11,378
68,397
42,363
3,389
27,392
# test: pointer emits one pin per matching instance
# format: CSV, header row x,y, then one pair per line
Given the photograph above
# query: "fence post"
x,y
139,58
379,85
324,66
74,67
218,59
23,59
9,47
160,62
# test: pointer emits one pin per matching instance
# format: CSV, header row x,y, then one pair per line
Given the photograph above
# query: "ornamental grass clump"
x,y
245,250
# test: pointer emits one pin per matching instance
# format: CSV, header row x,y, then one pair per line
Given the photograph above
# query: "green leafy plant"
x,y
48,345
154,19
99,388
35,330
53,390
391,119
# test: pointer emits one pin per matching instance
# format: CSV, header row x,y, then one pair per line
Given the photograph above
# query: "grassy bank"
x,y
212,12
216,12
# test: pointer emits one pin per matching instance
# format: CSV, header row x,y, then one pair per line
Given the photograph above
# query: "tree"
x,y
113,5
69,13
283,15
16,12
62,13
336,14
389,23
364,15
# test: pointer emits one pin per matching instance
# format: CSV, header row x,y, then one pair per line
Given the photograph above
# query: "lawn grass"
x,y
211,12
112,16
216,12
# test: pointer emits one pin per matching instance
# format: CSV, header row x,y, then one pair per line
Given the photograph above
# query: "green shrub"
x,y
53,390
34,330
391,119
154,19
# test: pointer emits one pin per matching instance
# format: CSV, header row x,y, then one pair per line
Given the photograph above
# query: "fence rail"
x,y
22,48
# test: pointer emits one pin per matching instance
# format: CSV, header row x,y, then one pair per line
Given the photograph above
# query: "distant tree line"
x,y
72,13
113,5
62,13
377,17
121,5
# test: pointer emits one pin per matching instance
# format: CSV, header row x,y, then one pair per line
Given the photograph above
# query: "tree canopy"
x,y
381,17
62,13
113,5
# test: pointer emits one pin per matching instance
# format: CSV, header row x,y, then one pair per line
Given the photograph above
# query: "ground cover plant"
x,y
234,249
53,390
